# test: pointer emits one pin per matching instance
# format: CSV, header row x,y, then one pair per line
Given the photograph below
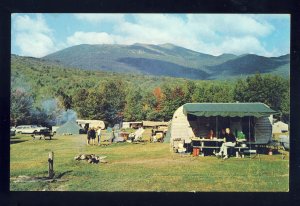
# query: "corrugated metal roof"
x,y
228,109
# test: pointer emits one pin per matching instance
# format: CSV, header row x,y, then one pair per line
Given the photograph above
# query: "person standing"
x,y
88,136
93,135
112,137
99,135
229,141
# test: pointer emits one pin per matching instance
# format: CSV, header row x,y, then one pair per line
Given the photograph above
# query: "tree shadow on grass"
x,y
47,139
62,174
16,140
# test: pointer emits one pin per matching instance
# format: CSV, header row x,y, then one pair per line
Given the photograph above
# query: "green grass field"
x,y
140,167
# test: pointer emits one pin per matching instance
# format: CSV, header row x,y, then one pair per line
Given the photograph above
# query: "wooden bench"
x,y
239,151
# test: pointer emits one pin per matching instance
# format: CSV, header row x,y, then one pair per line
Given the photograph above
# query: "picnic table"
x,y
215,144
42,134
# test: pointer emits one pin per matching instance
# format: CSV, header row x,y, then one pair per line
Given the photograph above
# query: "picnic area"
x,y
139,167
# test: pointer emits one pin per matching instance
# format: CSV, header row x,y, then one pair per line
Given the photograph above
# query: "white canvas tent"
x,y
181,128
280,127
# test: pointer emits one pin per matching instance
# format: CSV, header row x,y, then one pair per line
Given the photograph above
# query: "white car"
x,y
29,129
12,131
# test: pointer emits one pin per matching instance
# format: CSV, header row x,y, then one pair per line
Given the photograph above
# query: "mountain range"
x,y
167,60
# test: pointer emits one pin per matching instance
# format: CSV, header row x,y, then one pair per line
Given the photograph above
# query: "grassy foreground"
x,y
139,167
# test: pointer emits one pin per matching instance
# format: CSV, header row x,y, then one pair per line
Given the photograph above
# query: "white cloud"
x,y
213,34
208,33
90,38
100,18
25,23
247,44
32,36
34,44
267,17
229,24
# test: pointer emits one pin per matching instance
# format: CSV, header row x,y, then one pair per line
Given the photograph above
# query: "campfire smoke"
x,y
57,115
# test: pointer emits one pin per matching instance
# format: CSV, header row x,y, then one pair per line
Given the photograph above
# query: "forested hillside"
x,y
44,91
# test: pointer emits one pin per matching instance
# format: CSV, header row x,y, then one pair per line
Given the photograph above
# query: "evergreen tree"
x,y
64,99
173,98
134,108
285,106
269,89
189,90
80,103
112,101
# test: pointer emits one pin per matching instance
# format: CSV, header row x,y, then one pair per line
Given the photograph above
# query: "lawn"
x,y
140,167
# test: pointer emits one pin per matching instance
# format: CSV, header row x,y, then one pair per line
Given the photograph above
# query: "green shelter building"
x,y
253,120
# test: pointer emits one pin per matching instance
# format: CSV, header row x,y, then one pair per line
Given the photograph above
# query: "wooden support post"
x,y
50,168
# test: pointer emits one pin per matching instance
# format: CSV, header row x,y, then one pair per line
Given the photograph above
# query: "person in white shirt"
x,y
99,135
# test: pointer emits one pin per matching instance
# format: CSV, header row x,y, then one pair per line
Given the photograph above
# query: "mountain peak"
x,y
164,60
168,45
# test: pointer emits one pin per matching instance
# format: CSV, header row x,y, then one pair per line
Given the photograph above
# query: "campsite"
x,y
139,167
178,106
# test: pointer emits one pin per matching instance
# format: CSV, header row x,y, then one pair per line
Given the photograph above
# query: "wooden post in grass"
x,y
50,168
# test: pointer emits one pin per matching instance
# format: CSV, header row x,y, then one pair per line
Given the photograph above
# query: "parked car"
x,y
12,131
29,129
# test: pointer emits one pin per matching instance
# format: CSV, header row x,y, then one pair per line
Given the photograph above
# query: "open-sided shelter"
x,y
89,123
197,119
153,124
134,125
70,127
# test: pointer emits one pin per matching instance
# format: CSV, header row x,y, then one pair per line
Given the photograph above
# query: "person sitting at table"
x,y
229,141
210,134
222,134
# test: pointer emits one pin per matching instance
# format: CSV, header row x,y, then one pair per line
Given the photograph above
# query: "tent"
x,y
70,127
280,127
197,119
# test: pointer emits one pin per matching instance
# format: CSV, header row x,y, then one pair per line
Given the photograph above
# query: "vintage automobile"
x,y
29,129
12,131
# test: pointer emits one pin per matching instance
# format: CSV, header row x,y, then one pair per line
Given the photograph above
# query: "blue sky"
x,y
264,34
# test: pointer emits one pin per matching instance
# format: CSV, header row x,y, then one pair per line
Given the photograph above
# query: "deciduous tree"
x,y
20,107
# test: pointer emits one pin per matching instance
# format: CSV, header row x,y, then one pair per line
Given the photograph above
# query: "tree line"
x,y
115,100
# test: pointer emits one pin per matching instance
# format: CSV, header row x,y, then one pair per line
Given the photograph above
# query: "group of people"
x,y
91,135
229,141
